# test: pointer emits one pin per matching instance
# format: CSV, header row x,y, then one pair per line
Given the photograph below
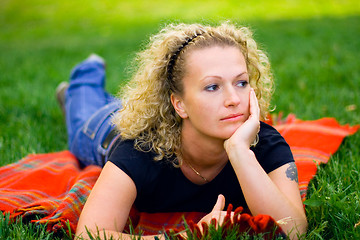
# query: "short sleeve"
x,y
136,164
272,151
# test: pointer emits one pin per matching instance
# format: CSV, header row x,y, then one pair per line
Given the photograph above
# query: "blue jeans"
x,y
88,109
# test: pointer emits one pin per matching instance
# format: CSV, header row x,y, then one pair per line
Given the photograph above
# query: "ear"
x,y
178,105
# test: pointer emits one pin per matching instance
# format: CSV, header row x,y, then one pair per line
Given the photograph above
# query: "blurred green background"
x,y
313,47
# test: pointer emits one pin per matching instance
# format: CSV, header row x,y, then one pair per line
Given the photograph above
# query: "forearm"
x,y
263,196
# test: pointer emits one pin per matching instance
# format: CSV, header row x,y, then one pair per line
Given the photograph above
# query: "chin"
x,y
227,134
224,132
232,129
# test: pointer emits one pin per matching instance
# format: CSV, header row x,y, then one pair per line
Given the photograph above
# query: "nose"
x,y
232,97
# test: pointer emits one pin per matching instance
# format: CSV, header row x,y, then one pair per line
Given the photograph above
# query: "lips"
x,y
232,117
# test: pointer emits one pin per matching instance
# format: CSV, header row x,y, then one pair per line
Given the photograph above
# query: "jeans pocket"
x,y
92,126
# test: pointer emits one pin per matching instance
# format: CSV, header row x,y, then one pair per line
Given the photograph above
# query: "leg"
x,y
85,94
88,109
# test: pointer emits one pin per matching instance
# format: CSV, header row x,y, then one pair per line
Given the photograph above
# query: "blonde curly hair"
x,y
148,115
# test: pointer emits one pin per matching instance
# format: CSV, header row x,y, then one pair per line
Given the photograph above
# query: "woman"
x,y
191,138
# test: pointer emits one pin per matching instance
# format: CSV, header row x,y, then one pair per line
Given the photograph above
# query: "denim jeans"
x,y
88,109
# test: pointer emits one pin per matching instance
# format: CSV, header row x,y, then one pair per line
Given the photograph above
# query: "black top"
x,y
163,188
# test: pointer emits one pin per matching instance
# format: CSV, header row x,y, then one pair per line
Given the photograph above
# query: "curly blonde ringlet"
x,y
148,115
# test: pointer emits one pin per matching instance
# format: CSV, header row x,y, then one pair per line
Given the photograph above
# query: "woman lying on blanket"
x,y
191,136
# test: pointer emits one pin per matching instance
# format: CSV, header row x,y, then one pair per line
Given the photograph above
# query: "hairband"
x,y
176,54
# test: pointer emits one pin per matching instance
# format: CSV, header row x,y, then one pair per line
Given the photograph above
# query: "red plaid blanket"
x,y
312,143
54,188
51,186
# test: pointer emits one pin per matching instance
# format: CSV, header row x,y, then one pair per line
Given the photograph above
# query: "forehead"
x,y
215,59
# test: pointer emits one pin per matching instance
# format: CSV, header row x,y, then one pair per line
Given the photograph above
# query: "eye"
x,y
242,83
211,87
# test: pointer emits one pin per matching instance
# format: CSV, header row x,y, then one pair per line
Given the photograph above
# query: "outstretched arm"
x,y
107,209
275,194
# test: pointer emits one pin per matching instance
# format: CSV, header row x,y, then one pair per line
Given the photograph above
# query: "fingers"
x,y
254,104
220,203
215,213
218,213
254,107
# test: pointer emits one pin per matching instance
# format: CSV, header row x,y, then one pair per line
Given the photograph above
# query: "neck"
x,y
202,152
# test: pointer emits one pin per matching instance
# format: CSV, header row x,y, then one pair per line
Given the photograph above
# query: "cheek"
x,y
202,109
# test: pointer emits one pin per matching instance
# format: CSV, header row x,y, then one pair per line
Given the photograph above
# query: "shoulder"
x,y
126,157
267,130
125,152
270,137
272,151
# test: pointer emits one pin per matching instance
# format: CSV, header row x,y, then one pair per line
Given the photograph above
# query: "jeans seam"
x,y
92,133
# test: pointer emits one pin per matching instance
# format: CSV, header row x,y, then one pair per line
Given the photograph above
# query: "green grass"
x,y
20,230
313,47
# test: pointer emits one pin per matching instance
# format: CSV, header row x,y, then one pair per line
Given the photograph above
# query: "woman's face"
x,y
215,101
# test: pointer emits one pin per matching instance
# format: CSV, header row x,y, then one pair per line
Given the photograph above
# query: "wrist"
x,y
240,154
235,147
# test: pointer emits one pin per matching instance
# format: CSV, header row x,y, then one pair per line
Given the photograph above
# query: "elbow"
x,y
81,233
303,226
296,230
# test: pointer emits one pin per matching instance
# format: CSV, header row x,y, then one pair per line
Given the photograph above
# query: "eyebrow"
x,y
215,76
